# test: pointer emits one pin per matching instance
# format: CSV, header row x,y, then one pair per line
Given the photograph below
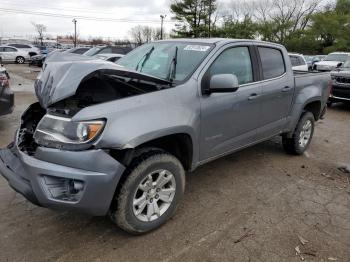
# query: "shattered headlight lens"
x,y
53,129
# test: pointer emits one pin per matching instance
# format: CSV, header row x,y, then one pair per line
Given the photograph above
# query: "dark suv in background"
x,y
341,84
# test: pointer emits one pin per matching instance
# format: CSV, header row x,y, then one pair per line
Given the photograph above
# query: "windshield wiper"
x,y
144,59
172,67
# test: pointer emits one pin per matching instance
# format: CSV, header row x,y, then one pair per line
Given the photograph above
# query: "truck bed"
x,y
319,83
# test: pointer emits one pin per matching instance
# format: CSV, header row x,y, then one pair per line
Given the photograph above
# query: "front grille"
x,y
342,80
341,91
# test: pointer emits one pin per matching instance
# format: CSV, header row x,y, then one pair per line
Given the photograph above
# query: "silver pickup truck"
x,y
118,139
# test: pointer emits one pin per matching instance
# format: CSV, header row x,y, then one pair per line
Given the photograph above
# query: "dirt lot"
x,y
256,205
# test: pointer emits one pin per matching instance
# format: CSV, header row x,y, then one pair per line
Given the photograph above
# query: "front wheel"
x,y
149,196
20,60
302,136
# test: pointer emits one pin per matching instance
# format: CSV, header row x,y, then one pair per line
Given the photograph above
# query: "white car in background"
x,y
298,62
12,54
332,61
32,50
109,57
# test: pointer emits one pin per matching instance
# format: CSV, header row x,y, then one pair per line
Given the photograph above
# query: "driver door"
x,y
230,121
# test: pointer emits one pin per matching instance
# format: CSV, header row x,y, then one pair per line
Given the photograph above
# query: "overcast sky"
x,y
146,12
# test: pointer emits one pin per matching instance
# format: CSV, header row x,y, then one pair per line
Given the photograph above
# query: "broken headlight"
x,y
61,132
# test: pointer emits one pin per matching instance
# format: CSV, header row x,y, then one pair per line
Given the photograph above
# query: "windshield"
x,y
93,51
347,64
308,58
163,59
337,57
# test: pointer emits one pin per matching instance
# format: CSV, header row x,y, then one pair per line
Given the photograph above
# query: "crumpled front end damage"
x,y
48,177
83,180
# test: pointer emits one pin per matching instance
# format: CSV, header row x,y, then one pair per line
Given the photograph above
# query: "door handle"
x,y
253,96
286,89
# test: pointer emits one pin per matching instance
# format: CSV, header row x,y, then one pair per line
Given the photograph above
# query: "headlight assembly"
x,y
60,132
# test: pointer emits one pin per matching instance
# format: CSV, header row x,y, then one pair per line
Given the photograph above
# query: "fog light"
x,y
64,189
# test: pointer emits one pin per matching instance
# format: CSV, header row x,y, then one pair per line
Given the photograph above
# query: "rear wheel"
x,y
20,60
302,136
149,196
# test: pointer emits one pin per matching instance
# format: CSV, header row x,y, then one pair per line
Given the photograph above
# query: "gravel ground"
x,y
256,205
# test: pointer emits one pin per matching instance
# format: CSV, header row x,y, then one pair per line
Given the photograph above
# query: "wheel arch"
x,y
178,144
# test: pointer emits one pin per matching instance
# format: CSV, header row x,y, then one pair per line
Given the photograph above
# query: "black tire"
x,y
20,60
291,144
145,163
329,103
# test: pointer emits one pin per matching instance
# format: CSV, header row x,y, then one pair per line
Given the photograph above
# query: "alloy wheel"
x,y
154,195
305,134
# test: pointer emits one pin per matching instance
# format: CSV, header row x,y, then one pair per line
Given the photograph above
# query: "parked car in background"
x,y
311,60
43,50
31,49
332,61
109,57
6,94
13,54
77,50
166,108
298,62
341,84
37,60
97,50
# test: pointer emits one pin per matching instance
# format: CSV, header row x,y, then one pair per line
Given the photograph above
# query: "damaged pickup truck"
x,y
118,139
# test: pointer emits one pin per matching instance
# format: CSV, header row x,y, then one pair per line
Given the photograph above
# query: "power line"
x,y
56,8
100,19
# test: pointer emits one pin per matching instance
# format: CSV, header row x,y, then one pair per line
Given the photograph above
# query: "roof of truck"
x,y
217,40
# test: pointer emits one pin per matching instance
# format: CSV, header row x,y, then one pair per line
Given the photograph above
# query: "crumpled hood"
x,y
62,74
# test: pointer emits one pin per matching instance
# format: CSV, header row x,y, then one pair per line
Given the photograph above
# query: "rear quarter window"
x,y
273,64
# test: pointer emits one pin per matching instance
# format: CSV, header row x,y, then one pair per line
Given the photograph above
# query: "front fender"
x,y
140,119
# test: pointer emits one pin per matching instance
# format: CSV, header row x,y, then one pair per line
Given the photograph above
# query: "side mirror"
x,y
223,83
339,65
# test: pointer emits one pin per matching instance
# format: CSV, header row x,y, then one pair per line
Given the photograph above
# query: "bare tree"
x,y
40,29
147,33
144,34
136,34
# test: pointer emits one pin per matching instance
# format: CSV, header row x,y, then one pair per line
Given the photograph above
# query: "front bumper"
x,y
340,92
7,101
35,177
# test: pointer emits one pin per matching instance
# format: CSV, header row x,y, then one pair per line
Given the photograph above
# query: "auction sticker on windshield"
x,y
198,48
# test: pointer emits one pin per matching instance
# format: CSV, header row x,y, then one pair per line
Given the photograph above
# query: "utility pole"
x,y
162,17
209,18
75,32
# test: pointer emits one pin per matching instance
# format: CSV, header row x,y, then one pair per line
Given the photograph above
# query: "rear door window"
x,y
10,49
272,62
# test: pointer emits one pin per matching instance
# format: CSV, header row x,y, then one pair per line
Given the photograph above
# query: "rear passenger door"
x,y
10,53
230,120
277,90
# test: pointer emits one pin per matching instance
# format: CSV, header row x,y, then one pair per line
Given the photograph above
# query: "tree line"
x,y
304,26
